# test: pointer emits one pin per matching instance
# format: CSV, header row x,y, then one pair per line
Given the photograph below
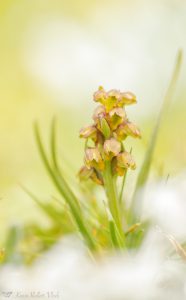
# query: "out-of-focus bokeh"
x,y
53,56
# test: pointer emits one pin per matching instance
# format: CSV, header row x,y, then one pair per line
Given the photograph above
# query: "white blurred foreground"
x,y
156,271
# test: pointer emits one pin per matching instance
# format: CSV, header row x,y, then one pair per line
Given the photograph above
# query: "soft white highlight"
x,y
154,271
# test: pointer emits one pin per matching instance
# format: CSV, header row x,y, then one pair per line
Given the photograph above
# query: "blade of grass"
x,y
117,240
123,181
65,191
122,187
145,169
59,182
53,146
48,209
56,168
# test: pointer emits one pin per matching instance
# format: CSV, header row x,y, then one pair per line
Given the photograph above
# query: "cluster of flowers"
x,y
111,126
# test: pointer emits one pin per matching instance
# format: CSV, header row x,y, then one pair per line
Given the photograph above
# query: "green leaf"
x,y
53,144
105,129
145,169
117,241
115,237
64,189
48,209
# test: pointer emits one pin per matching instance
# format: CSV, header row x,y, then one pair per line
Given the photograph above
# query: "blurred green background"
x,y
53,56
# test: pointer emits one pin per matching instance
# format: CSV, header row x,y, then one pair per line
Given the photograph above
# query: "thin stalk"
x,y
111,193
122,187
118,243
124,179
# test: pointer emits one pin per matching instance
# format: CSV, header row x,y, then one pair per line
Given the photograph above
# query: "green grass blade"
x,y
65,191
145,169
115,237
59,182
122,187
53,146
48,209
117,241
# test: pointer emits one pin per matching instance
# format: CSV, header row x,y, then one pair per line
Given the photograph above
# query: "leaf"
x,y
64,188
48,209
117,241
105,129
145,169
53,144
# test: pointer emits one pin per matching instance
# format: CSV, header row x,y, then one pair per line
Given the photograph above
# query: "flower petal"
x,y
111,148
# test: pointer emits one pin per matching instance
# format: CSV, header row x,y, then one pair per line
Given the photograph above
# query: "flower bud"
x,y
116,117
96,177
89,131
117,170
93,159
100,95
125,160
85,173
126,129
132,130
126,98
111,148
99,113
120,133
112,98
120,171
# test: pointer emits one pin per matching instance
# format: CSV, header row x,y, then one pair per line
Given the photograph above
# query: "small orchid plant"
x,y
112,225
105,154
105,159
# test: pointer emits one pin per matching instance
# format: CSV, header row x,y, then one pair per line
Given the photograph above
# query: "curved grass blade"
x,y
48,209
53,144
65,192
145,169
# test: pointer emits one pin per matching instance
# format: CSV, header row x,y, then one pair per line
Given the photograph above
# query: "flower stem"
x,y
111,193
